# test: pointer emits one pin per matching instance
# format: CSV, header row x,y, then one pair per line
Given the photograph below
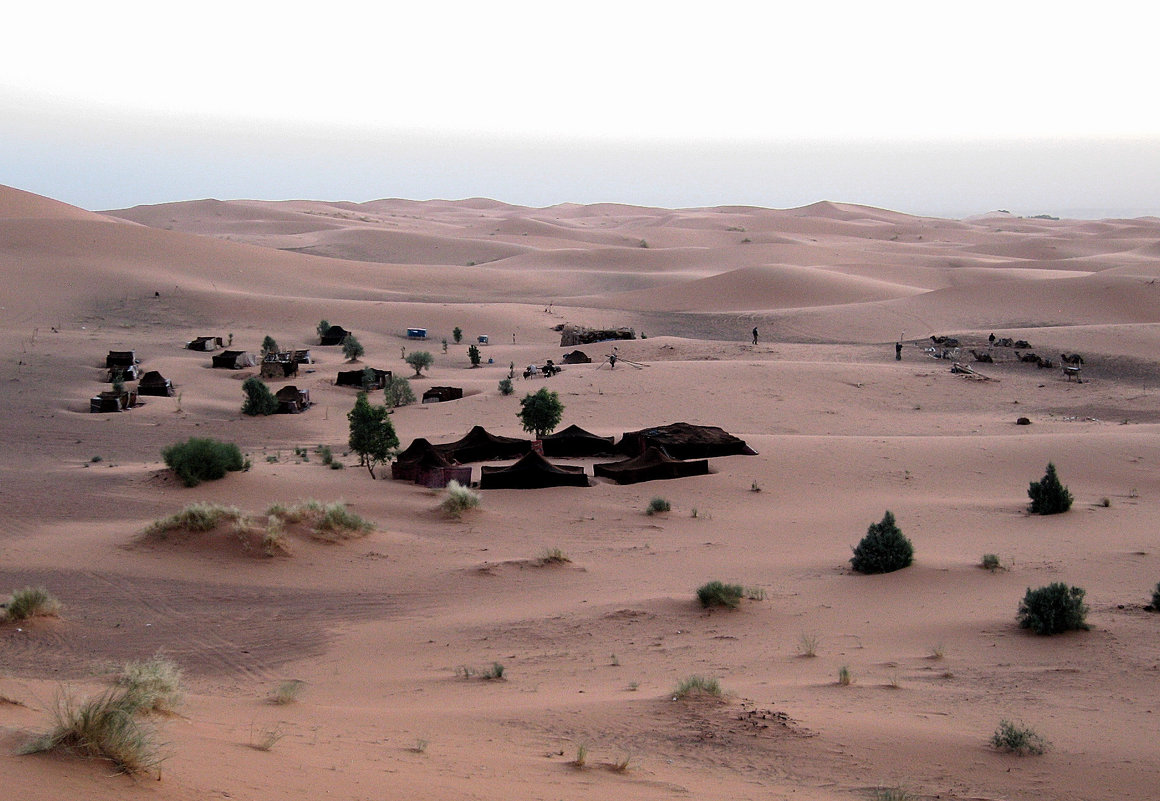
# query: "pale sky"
x,y
951,108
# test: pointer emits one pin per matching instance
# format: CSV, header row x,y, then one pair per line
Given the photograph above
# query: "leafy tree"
x,y
398,392
259,399
540,412
322,328
369,379
202,459
351,348
884,549
372,436
1053,609
269,345
457,334
1049,496
473,355
505,386
418,360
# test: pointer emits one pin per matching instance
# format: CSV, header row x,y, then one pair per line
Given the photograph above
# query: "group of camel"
x,y
1071,362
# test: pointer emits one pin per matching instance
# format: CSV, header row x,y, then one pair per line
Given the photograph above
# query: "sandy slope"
x,y
592,649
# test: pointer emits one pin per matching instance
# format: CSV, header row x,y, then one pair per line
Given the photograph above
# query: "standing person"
x,y
755,335
898,351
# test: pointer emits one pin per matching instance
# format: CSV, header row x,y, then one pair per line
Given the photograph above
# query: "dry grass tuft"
x,y
30,602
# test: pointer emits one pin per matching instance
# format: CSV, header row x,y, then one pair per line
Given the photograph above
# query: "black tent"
x,y
531,472
577,357
479,446
684,441
153,383
234,359
292,400
421,463
651,465
575,441
334,335
354,378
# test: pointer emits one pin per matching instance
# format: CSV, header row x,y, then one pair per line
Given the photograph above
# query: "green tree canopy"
x,y
259,399
372,436
269,345
322,327
352,348
457,334
473,355
418,360
540,412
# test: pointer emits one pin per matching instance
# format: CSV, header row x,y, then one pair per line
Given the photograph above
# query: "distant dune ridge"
x,y
577,605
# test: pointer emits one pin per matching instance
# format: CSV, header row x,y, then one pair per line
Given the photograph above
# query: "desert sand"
x,y
376,627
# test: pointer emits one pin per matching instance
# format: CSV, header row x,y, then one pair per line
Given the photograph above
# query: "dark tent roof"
x,y
651,465
334,335
531,472
577,357
354,378
479,446
153,383
421,463
684,441
575,441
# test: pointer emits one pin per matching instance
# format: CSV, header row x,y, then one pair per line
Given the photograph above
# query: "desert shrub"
x,y
697,685
1053,609
1048,495
716,593
325,454
352,349
457,334
884,549
473,355
287,692
459,499
657,505
200,516
990,562
337,519
260,401
329,521
105,727
540,412
153,685
30,602
269,345
1018,739
553,556
322,327
845,678
398,392
418,360
1156,598
505,386
202,459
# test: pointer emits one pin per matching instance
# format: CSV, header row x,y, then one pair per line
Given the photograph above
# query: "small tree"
x,y
540,412
369,379
259,399
884,549
457,334
418,360
398,392
473,355
118,381
351,348
372,436
322,328
269,345
1053,609
1049,496
505,386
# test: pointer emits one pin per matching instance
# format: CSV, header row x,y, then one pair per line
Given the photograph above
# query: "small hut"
x,y
354,378
279,366
112,401
441,394
205,343
235,359
153,383
292,400
121,358
334,335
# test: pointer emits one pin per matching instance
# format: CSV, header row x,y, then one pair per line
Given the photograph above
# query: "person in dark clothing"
x,y
898,351
755,336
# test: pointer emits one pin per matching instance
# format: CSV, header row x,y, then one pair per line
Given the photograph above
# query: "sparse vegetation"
x,y
620,765
891,794
553,556
1048,495
30,602
581,759
287,692
884,549
657,505
473,355
1053,609
352,349
372,435
716,593
1018,739
505,386
808,644
695,686
260,401
269,345
202,459
327,521
266,738
322,327
990,562
540,412
398,392
457,334
419,360
458,499
153,685
199,516
844,677
938,651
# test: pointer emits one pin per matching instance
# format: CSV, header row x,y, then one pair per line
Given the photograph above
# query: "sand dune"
x,y
382,628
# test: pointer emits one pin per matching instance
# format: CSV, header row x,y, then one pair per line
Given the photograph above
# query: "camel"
x,y
1073,359
1027,357
1045,364
949,342
982,357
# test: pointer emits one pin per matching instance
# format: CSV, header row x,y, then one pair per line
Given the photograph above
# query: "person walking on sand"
x,y
898,351
755,335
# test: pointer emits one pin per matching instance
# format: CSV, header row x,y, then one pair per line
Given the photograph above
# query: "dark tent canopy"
x,y
441,394
684,441
651,465
334,335
292,400
575,441
153,383
234,359
531,472
479,446
354,378
577,357
418,454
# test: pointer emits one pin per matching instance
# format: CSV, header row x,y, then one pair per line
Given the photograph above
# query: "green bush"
x,y
716,593
1049,496
259,399
418,360
269,345
473,355
697,685
1017,739
352,349
884,549
457,334
30,602
398,392
658,505
505,386
202,459
1053,609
